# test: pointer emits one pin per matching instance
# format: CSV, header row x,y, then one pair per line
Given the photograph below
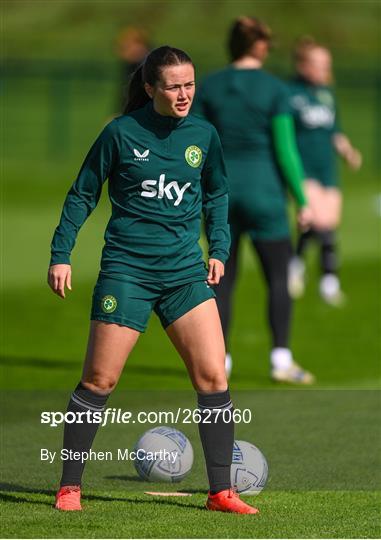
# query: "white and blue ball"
x,y
249,468
164,469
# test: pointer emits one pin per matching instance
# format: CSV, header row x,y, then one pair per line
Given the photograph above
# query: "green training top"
x,y
243,105
314,110
163,173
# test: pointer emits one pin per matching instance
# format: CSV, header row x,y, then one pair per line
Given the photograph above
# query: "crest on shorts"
x,y
193,156
109,303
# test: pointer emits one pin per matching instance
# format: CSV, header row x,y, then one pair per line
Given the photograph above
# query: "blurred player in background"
x,y
250,109
132,46
319,139
165,169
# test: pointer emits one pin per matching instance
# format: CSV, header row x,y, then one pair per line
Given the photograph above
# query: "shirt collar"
x,y
166,122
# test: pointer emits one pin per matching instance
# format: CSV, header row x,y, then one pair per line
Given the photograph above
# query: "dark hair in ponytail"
x,y
137,96
244,32
149,72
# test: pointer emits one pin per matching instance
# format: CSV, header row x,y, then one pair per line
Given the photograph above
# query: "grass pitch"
x,y
121,515
322,444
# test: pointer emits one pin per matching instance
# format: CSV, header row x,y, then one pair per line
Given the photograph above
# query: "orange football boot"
x,y
229,501
69,498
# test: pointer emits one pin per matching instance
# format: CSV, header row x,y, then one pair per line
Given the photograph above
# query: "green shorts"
x,y
129,301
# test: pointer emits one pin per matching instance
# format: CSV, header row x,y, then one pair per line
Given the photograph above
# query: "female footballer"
x,y
165,169
319,138
250,109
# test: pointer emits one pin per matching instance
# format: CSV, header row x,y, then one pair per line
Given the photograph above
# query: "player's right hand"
x,y
59,276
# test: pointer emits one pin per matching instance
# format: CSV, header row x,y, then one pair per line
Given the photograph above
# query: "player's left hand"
x,y
354,158
216,271
344,147
305,218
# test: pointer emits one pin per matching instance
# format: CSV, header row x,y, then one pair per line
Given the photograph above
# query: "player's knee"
x,y
210,383
100,385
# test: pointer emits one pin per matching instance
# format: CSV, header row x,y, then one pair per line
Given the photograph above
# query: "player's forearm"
x,y
76,210
345,149
215,201
79,203
217,227
288,156
84,194
342,144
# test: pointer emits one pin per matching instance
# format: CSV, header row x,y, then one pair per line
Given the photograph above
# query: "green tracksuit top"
x,y
242,105
163,174
315,112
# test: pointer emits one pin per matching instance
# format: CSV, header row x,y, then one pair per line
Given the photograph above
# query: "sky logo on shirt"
x,y
141,156
316,116
159,189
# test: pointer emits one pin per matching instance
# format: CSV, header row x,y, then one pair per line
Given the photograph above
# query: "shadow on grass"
x,y
40,363
55,363
9,493
16,488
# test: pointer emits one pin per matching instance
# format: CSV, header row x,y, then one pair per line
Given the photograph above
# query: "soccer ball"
x,y
163,454
249,469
